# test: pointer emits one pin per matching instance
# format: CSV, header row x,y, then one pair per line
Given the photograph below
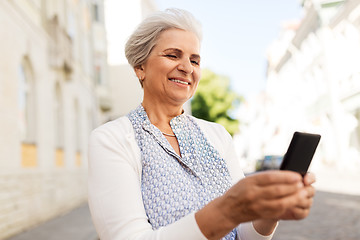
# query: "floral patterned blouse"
x,y
173,186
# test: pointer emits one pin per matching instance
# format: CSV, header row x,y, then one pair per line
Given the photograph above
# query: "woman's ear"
x,y
139,71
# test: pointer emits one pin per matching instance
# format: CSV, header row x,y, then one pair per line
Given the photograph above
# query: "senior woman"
x,y
159,173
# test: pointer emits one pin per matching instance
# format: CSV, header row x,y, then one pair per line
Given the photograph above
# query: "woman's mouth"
x,y
179,81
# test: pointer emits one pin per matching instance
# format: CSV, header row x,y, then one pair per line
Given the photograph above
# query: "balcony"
x,y
60,47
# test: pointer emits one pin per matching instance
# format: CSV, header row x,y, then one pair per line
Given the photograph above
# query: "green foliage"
x,y
214,100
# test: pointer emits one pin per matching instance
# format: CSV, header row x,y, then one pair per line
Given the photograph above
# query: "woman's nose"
x,y
186,66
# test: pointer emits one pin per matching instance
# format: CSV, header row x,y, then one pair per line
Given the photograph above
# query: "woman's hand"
x,y
267,226
266,196
302,209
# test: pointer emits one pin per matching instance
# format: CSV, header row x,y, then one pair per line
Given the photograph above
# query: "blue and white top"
x,y
173,186
117,182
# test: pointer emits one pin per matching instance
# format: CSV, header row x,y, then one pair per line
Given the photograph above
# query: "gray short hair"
x,y
144,38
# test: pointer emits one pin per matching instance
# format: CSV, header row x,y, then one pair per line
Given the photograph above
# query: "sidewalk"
x,y
337,180
333,216
75,225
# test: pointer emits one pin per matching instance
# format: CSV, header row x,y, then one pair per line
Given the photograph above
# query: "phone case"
x,y
300,152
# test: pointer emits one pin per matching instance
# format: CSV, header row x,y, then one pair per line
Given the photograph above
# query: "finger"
x,y
310,191
275,208
275,191
294,206
305,198
304,201
296,214
276,177
309,179
300,213
302,209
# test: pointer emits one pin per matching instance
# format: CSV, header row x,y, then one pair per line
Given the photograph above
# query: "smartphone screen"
x,y
300,152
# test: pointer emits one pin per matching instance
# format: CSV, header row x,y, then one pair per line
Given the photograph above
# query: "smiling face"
x,y
172,71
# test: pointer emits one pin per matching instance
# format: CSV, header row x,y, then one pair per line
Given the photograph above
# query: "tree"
x,y
214,101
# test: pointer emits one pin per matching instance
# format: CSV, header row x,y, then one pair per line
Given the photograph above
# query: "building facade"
x,y
122,17
53,92
314,81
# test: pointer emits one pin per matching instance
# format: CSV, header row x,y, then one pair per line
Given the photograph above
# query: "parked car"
x,y
269,162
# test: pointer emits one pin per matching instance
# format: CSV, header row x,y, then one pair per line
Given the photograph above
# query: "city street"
x,y
75,225
65,72
333,217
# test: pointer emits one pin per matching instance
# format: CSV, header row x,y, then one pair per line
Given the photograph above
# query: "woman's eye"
x,y
171,56
195,62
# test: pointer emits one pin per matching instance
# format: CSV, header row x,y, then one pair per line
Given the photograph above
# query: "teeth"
x,y
179,81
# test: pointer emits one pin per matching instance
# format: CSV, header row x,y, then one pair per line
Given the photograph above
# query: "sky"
x,y
236,34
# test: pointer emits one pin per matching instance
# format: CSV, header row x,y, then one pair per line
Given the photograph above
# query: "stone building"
x,y
122,17
53,92
314,81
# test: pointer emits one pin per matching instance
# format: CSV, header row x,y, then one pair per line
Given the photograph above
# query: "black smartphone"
x,y
300,152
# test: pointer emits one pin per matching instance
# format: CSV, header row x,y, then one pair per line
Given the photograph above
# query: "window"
x,y
58,117
77,125
96,13
26,102
78,132
98,77
356,134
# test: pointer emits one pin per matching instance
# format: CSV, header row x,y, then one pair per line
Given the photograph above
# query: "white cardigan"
x,y
115,199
